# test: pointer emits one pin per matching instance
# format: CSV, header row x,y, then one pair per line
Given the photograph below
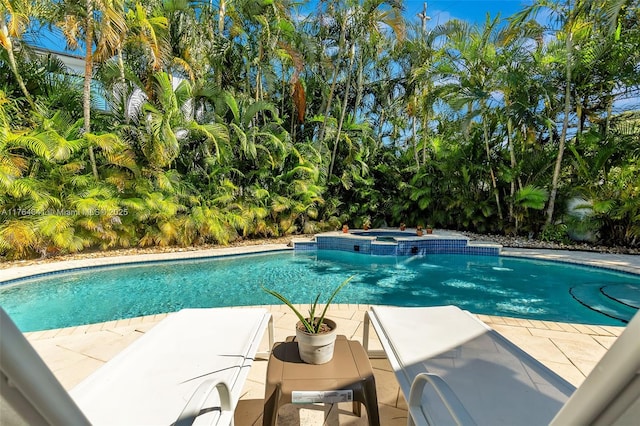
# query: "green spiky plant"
x,y
312,324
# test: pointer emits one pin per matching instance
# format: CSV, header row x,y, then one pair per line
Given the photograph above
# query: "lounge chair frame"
x,y
147,381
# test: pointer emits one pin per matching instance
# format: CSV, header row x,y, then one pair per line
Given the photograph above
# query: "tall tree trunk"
x,y
563,135
221,15
485,130
425,129
359,84
14,66
414,129
607,121
123,83
343,113
332,90
512,158
88,74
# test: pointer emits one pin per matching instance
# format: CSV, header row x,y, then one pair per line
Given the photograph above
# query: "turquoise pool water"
x,y
482,284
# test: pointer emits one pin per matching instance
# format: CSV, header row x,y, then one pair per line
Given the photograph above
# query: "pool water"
x,y
481,284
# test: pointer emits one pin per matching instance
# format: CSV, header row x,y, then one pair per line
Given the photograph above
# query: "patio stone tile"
x,y
48,334
160,317
538,324
258,372
249,411
616,331
35,335
381,364
102,345
287,321
605,341
80,330
71,375
563,335
569,372
553,325
495,320
392,416
540,348
251,403
136,321
522,322
110,324
590,351
145,326
585,366
348,327
123,322
484,318
568,327
149,318
512,322
601,331
55,356
509,330
68,331
387,387
95,327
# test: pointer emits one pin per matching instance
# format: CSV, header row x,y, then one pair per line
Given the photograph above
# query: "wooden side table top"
x,y
350,362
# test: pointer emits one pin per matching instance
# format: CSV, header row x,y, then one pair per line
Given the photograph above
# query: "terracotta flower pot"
x,y
316,348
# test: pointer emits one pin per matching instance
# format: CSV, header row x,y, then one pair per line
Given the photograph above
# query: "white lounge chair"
x,y
190,368
454,369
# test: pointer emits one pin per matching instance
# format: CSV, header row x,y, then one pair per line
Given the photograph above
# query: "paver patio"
x,y
569,350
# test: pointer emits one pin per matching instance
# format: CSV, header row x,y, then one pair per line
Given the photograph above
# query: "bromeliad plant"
x,y
313,324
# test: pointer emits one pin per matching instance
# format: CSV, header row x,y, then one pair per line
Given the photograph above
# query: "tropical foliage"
x,y
204,122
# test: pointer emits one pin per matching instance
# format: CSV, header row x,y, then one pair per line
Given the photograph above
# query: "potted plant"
x,y
366,224
345,228
402,226
429,229
316,335
419,231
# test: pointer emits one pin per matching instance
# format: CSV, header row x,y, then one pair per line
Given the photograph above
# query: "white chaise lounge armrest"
x,y
198,399
417,415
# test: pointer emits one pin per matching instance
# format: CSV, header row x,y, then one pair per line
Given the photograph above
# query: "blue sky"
x,y
442,11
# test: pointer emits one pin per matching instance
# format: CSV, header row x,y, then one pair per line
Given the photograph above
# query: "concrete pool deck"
x,y
571,350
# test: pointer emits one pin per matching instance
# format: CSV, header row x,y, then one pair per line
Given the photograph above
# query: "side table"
x,y
349,369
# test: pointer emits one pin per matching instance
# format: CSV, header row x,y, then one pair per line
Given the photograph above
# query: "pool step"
x,y
627,294
592,296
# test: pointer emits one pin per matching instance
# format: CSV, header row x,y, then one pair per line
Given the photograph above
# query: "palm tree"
x,y
574,25
97,24
473,53
365,21
15,18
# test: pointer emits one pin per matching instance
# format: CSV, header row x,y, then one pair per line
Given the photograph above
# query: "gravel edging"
x,y
523,242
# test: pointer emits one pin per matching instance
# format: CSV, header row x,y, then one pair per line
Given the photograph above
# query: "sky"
x,y
440,12
475,11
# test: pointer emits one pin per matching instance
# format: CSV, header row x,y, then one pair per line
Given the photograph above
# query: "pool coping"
x,y
629,263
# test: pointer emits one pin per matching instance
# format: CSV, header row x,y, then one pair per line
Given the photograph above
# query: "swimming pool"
x,y
481,284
